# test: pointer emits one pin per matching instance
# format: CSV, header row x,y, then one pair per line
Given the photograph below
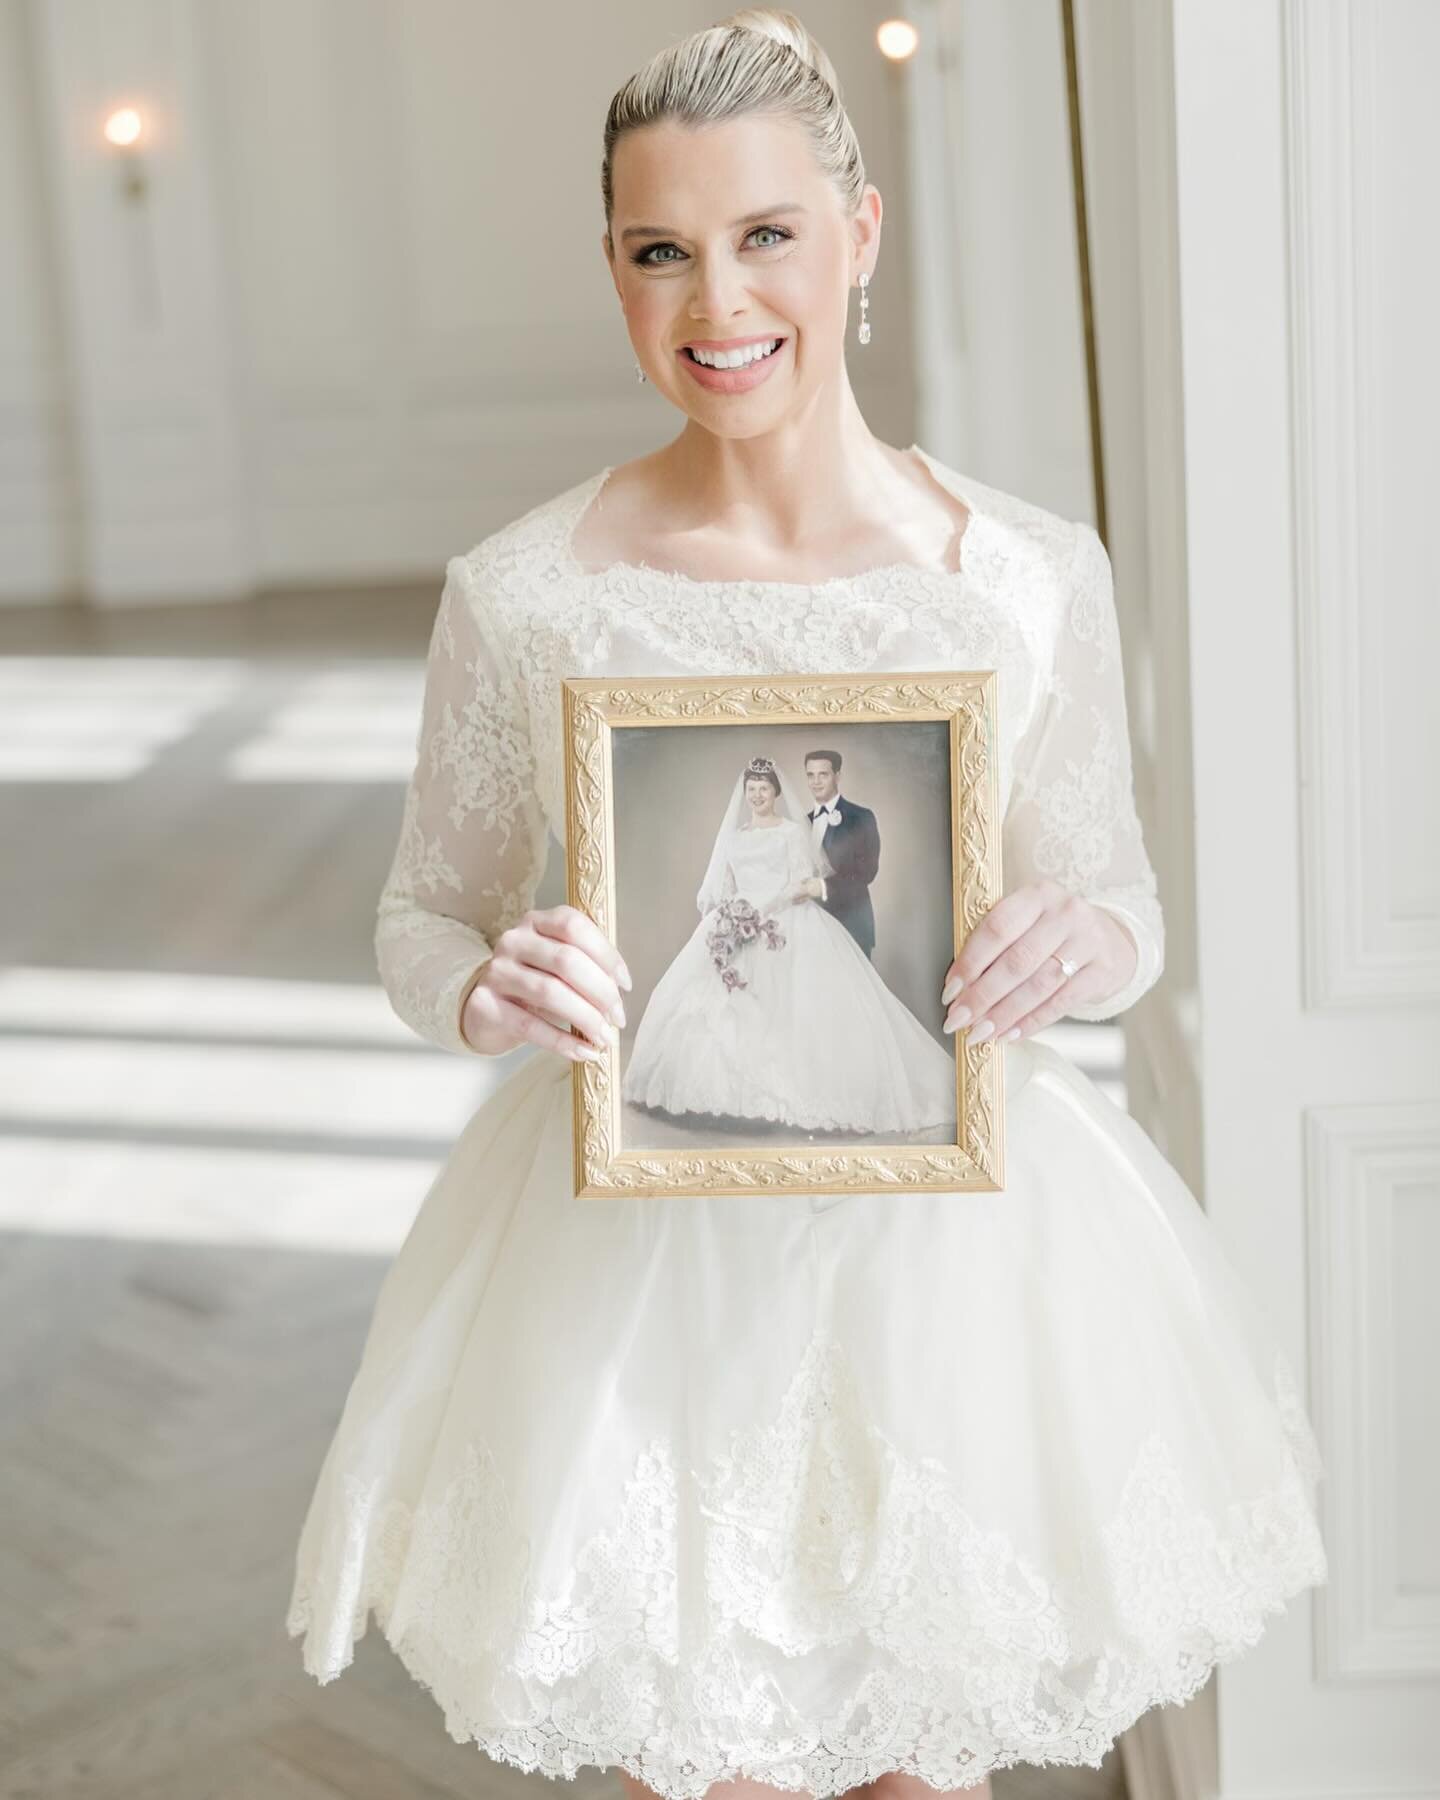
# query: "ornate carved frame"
x,y
594,708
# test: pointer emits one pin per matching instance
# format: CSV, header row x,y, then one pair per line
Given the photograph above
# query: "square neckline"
x,y
699,583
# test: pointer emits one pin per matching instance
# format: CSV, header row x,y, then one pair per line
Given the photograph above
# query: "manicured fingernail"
x,y
982,1030
1011,1035
625,980
951,988
617,1013
591,1052
960,1016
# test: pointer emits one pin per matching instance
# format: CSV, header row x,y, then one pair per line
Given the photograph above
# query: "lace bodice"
x,y
1032,599
765,861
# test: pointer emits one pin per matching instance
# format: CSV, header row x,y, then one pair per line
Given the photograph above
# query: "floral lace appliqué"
x,y
811,1558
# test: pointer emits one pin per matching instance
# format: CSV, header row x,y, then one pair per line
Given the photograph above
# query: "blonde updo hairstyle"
x,y
757,60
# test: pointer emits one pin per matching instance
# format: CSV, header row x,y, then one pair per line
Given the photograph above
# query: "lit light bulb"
x,y
897,39
123,127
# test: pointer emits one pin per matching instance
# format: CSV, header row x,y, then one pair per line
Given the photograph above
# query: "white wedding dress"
x,y
799,1487
767,1050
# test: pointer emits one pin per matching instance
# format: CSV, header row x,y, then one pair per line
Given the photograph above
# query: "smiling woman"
x,y
768,276
738,221
733,284
791,1489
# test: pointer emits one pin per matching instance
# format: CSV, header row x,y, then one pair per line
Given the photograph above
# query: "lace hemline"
x,y
973,1658
548,1748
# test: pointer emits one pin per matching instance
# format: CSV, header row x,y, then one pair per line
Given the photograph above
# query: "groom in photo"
x,y
850,837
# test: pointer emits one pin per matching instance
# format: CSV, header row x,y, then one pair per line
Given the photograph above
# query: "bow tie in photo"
x,y
828,814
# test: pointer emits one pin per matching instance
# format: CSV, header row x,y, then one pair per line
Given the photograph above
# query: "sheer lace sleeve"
x,y
472,834
1072,809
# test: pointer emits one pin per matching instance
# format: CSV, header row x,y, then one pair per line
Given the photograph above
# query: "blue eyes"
x,y
646,260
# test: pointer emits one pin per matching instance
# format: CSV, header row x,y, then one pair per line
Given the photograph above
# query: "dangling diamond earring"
x,y
864,333
640,373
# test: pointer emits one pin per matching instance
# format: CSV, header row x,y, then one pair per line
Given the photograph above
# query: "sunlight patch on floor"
x,y
102,718
221,1109
112,1188
181,1004
356,724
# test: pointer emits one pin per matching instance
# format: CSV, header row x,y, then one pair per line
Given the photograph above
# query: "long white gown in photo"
x,y
798,1487
814,1039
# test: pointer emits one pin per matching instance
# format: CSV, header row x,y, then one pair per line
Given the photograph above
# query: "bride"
x,y
771,1010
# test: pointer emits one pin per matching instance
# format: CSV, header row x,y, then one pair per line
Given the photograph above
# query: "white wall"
x,y
39,500
363,316
1125,61
381,322
1000,340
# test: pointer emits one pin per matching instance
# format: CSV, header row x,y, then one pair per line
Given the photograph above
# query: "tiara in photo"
x,y
760,765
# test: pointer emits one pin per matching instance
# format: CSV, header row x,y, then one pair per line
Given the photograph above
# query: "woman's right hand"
x,y
553,969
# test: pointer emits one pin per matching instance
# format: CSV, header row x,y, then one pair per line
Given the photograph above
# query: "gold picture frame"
x,y
594,710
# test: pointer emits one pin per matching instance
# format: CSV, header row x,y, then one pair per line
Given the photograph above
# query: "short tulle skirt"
x,y
807,1488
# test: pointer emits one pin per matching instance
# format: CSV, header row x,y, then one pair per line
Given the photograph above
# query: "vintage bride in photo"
x,y
771,1010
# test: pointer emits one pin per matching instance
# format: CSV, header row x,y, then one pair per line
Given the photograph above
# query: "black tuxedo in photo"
x,y
853,846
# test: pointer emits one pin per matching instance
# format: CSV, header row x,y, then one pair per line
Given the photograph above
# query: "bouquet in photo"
x,y
737,922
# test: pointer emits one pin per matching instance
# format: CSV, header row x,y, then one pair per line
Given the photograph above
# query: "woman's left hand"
x,y
1007,980
809,889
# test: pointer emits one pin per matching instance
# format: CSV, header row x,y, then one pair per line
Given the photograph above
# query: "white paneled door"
x,y
1307,148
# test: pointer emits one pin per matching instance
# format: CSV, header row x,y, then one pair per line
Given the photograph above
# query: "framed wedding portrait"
x,y
789,865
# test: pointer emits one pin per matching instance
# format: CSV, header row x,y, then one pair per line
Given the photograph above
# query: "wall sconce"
x,y
897,39
123,131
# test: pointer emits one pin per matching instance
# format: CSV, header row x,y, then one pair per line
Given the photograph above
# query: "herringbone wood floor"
x,y
212,1137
